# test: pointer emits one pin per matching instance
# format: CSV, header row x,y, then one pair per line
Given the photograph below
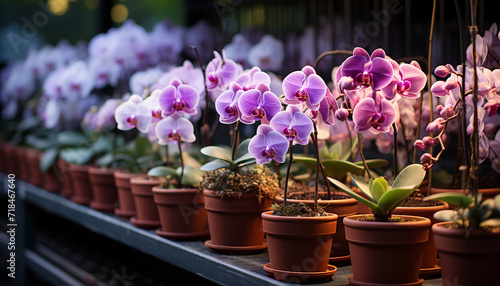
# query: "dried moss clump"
x,y
299,209
259,180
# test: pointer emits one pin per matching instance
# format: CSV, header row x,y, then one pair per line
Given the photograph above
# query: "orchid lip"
x,y
301,95
258,112
179,105
174,136
290,133
363,78
269,152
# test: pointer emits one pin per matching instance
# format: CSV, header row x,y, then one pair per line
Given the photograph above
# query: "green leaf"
x,y
244,159
243,148
378,188
374,207
324,153
457,199
492,222
363,187
445,215
392,198
28,123
410,177
214,165
192,176
72,138
374,163
102,145
78,156
48,158
217,152
190,161
105,160
337,169
347,148
163,171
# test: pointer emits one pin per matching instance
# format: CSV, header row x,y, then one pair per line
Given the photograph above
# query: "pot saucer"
x,y
227,249
340,260
300,277
125,214
145,224
81,200
431,272
107,208
360,283
183,236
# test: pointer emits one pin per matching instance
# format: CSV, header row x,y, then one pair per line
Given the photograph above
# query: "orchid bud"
x,y
441,71
429,141
439,108
447,112
341,114
450,85
426,161
436,126
346,83
419,145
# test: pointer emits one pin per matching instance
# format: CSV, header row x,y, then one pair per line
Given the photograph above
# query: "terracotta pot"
x,y
103,189
67,182
126,204
52,179
300,245
362,209
429,266
10,162
473,260
182,213
147,213
33,158
22,164
386,253
82,189
235,223
339,254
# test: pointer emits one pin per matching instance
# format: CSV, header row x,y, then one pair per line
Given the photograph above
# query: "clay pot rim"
x,y
123,174
443,205
75,167
441,228
213,194
335,201
162,190
96,170
268,215
143,179
420,221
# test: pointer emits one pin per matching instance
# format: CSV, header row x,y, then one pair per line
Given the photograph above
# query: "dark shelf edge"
x,y
48,271
120,230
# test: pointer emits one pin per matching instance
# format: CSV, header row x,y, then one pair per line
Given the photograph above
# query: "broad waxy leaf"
x,y
105,160
337,169
102,144
217,152
363,187
214,165
324,154
374,207
163,171
78,156
142,146
48,158
243,148
492,222
456,199
72,138
373,163
392,198
244,159
410,177
378,187
336,151
445,215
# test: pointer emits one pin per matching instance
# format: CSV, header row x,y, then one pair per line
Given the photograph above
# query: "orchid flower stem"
x,y
395,145
429,73
473,174
290,160
205,135
319,167
236,135
330,53
419,121
353,157
360,142
182,164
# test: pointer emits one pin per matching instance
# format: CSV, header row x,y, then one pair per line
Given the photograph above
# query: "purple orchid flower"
x,y
178,97
221,72
174,128
152,102
494,154
258,104
227,105
268,145
408,81
376,115
304,86
251,78
294,124
374,71
133,113
327,108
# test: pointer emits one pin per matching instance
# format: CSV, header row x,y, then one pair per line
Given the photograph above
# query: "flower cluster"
x,y
458,82
371,87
